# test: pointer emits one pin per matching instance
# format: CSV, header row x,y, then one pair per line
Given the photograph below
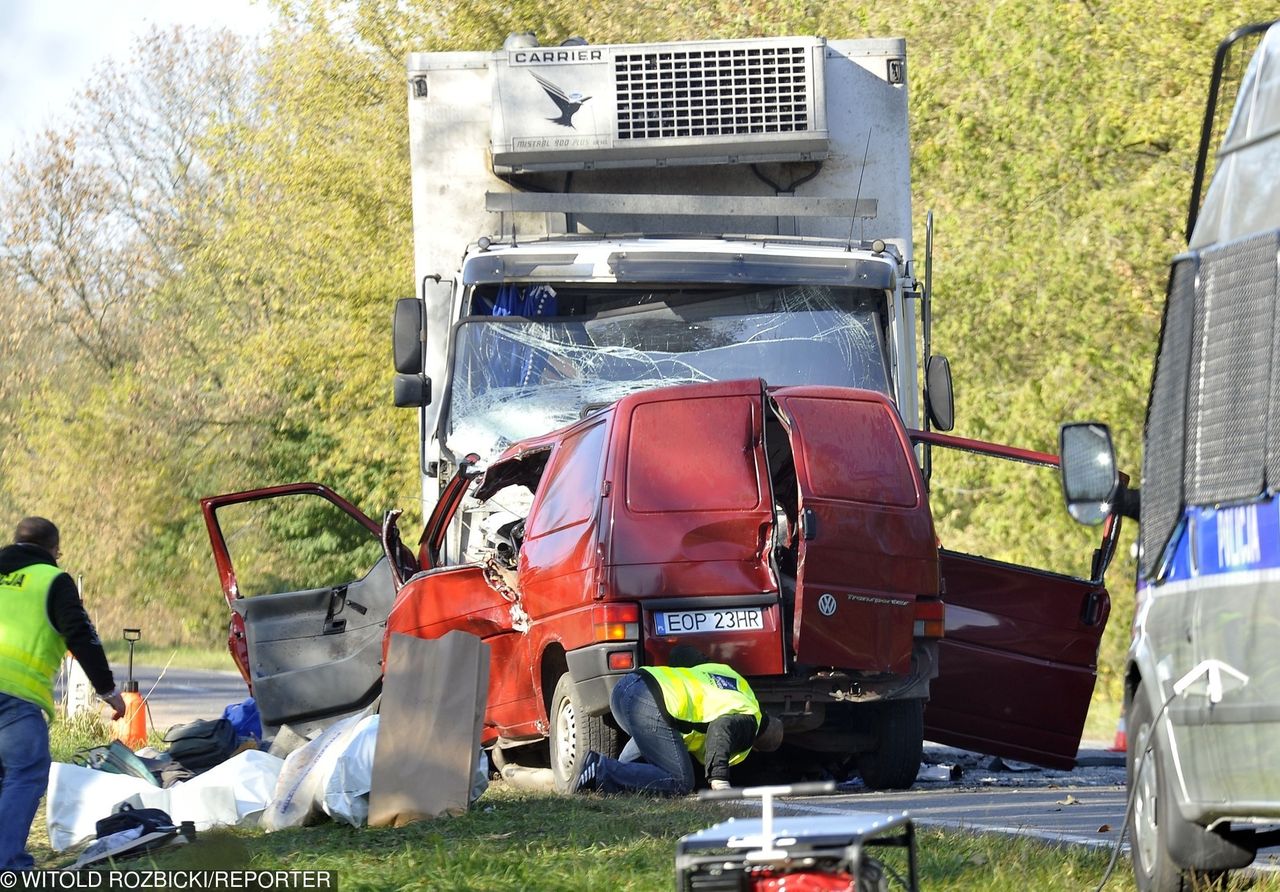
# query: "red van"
x,y
785,531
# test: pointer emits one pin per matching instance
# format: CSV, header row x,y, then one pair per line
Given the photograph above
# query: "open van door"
x,y
866,547
309,588
1018,662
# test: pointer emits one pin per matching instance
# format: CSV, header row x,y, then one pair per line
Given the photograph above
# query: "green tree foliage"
x,y
199,268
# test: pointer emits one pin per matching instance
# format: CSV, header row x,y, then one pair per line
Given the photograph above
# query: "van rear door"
x,y
691,524
866,546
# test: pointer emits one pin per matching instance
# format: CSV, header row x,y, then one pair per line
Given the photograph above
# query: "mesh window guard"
x,y
1164,438
1229,382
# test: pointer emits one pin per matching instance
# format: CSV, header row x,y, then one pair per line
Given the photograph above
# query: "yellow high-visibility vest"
x,y
30,647
697,696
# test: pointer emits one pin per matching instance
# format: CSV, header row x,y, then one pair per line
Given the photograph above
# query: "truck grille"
x,y
724,91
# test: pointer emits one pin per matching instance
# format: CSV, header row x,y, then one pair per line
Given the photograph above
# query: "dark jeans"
x,y
668,768
24,774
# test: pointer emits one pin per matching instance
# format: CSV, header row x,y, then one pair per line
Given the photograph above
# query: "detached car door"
x,y
1018,662
309,589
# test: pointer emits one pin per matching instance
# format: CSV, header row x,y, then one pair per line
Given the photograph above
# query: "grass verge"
x,y
183,656
513,840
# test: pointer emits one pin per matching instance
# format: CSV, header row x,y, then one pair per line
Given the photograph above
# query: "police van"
x,y
1202,684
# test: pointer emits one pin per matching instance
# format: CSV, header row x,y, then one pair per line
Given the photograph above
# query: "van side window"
x,y
569,489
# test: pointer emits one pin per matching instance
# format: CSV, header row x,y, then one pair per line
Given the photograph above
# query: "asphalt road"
x,y
184,695
1083,807
1068,814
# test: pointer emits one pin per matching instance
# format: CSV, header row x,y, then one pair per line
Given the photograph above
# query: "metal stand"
x,y
743,854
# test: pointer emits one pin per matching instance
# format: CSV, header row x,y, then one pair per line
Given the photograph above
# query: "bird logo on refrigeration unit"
x,y
568,103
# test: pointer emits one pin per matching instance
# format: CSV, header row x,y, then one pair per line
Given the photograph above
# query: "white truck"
x,y
655,214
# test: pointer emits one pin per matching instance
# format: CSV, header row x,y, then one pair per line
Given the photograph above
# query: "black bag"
x,y
153,829
151,820
201,745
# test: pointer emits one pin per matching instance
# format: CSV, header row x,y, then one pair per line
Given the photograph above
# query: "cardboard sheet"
x,y
433,701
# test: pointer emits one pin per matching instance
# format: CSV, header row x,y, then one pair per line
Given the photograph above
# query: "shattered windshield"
x,y
521,377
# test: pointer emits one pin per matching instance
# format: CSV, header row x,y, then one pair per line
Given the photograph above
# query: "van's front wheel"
x,y
574,734
1153,869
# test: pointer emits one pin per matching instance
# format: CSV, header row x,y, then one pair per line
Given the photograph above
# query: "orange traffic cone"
x,y
1121,743
131,728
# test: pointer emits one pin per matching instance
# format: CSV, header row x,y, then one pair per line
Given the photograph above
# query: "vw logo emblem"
x,y
827,605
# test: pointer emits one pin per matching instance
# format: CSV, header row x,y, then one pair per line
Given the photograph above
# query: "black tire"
x,y
1153,869
895,762
1161,837
574,734
872,876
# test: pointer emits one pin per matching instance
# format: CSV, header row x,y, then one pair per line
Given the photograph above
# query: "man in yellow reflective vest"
x,y
674,713
41,617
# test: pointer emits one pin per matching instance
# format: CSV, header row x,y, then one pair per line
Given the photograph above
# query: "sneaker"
x,y
589,776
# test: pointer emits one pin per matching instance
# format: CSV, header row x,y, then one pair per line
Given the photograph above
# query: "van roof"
x,y
1244,196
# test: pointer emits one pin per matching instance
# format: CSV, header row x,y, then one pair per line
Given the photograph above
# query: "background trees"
x,y
198,268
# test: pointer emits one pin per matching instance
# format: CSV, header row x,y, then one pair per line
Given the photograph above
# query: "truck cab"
x,y
591,221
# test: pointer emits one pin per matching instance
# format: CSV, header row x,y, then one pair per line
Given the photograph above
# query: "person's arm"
x,y
69,619
726,736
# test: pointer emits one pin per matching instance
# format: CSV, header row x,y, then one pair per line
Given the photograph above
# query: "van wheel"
x,y
1159,830
895,762
574,734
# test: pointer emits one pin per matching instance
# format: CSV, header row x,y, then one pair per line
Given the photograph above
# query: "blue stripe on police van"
x,y
1227,540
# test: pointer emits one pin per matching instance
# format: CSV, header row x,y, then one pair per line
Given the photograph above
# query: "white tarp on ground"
x,y
346,788
304,785
333,774
231,794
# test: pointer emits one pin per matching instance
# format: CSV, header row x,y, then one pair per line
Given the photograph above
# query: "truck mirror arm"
x,y
1128,502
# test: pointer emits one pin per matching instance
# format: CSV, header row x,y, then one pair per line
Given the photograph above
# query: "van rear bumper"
x,y
837,686
589,669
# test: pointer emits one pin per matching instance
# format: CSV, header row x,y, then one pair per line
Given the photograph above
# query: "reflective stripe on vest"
x,y
30,647
702,694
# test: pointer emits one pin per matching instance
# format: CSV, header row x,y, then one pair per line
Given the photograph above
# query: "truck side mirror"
x,y
938,397
1090,479
412,391
408,332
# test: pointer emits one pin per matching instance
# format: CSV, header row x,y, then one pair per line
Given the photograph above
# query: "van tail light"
x,y
930,617
616,622
621,660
